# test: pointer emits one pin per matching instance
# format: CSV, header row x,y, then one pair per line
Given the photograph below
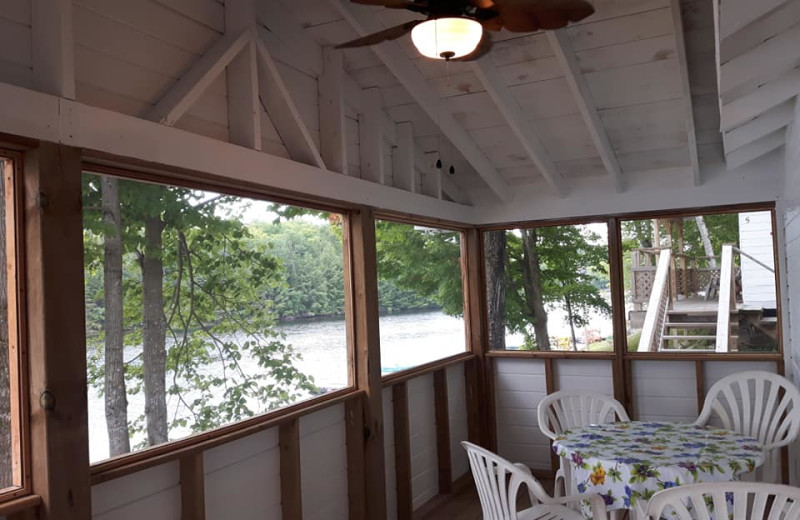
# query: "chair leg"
x,y
560,485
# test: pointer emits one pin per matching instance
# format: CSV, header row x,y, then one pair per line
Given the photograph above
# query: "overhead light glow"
x,y
447,38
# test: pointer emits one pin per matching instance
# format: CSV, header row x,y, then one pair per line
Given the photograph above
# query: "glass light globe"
x,y
447,38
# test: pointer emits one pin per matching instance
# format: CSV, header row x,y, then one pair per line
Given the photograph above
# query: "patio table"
x,y
628,462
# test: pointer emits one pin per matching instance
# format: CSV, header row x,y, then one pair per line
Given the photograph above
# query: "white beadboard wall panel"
x,y
519,387
15,43
664,391
422,428
153,493
716,370
242,478
584,374
304,92
457,408
323,464
791,235
388,453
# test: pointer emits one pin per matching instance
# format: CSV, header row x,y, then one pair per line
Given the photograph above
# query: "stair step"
x,y
692,324
678,337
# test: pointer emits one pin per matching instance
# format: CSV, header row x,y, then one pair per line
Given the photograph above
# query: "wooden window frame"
x,y
470,346
116,467
13,173
620,353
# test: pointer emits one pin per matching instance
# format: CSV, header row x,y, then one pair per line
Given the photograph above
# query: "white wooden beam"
x,y
370,136
417,86
765,97
286,40
52,47
403,169
766,60
452,190
432,176
244,108
177,101
759,31
686,91
283,112
509,107
562,47
332,134
735,14
771,120
756,149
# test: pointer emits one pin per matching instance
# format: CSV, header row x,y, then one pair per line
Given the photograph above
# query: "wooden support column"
x,y
193,487
699,375
56,332
332,135
550,387
244,108
52,47
367,351
474,306
403,171
441,405
619,368
370,136
291,484
402,451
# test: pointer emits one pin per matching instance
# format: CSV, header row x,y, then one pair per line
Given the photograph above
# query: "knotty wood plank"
x,y
193,500
366,341
442,411
699,375
291,485
402,452
356,476
56,332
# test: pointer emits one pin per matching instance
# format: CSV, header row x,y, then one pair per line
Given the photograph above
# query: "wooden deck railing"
x,y
727,299
660,301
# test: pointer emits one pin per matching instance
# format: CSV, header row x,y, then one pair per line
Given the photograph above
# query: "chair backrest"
x,y
563,410
756,404
739,500
498,482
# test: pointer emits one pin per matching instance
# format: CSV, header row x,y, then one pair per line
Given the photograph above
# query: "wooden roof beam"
x,y
417,86
759,101
332,133
771,120
244,107
52,49
756,149
686,91
562,47
509,107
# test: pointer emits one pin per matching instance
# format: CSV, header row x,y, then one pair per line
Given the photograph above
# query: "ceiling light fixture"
x,y
447,38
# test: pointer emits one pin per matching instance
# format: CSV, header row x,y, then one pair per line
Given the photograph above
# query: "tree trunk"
x,y
5,382
532,282
495,256
116,402
154,333
701,227
568,303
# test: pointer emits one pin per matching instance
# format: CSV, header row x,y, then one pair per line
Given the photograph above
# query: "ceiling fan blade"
x,y
483,49
533,15
390,4
392,33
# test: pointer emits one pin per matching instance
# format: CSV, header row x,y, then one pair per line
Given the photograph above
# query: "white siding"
x,y
422,428
153,494
792,157
664,391
323,464
584,375
519,386
792,242
388,451
716,370
242,478
457,407
755,239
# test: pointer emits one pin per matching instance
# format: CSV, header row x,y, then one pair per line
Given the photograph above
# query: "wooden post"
x,y
402,451
56,332
474,315
550,387
291,483
193,502
699,374
367,350
620,327
441,405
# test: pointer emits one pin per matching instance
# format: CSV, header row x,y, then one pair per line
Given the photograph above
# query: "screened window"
x,y
420,294
548,288
701,283
11,395
203,309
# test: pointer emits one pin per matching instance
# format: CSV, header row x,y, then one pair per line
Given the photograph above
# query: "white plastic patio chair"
x,y
745,500
560,411
499,481
757,404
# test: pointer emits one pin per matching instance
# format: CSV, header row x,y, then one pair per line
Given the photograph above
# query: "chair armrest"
x,y
596,502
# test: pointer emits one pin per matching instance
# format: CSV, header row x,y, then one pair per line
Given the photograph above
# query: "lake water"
x,y
407,340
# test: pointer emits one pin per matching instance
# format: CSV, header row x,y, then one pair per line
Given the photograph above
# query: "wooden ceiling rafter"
x,y
562,47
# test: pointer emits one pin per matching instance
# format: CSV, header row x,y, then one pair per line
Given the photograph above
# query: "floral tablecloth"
x,y
628,462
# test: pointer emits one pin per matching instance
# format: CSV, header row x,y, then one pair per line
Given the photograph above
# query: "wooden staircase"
x,y
692,330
